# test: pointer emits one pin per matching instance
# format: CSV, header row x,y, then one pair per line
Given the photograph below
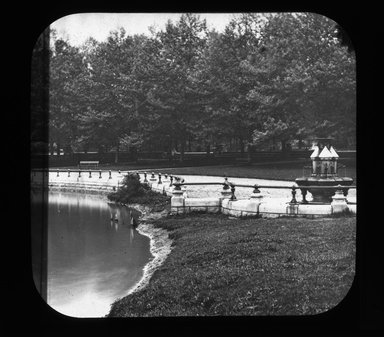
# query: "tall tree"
x,y
306,79
66,67
40,95
106,116
176,91
227,81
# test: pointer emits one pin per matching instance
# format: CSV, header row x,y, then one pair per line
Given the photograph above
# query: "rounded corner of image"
x,y
341,302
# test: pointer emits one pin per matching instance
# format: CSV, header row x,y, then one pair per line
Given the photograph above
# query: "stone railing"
x,y
257,205
226,202
97,181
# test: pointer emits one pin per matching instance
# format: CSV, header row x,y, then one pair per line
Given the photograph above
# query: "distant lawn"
x,y
282,171
278,171
223,266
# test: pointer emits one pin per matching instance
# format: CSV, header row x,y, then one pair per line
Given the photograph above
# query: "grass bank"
x,y
224,266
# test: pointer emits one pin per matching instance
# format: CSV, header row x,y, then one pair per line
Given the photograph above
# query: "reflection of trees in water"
x,y
112,211
123,215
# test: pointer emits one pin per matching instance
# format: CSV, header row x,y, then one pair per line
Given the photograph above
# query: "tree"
x,y
66,68
109,105
266,77
306,79
40,94
226,82
174,93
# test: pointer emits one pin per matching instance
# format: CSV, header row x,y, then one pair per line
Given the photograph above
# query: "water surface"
x,y
94,254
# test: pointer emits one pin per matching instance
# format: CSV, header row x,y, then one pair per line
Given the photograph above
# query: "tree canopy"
x,y
274,77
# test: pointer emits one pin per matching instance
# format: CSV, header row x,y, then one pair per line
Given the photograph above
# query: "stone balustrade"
x,y
256,205
226,201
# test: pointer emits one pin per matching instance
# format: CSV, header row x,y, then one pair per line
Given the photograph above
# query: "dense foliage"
x,y
132,191
274,77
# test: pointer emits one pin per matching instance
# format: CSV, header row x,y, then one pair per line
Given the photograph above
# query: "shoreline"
x,y
160,244
215,267
159,241
248,268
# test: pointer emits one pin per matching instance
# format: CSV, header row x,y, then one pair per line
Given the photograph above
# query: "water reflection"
x,y
123,215
94,254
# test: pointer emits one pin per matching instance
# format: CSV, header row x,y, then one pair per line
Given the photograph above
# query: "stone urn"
x,y
324,174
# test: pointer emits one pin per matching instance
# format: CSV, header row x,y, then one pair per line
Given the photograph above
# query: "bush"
x,y
131,187
132,191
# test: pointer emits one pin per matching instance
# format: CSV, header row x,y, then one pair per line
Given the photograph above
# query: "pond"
x,y
95,255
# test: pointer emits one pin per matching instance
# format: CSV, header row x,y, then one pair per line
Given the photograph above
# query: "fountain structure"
x,y
324,173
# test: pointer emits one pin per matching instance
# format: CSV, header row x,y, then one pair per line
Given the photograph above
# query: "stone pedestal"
x,y
258,197
339,202
184,189
255,199
292,209
153,179
177,201
226,194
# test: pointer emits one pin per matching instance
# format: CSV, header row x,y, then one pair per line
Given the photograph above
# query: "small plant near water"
x,y
132,191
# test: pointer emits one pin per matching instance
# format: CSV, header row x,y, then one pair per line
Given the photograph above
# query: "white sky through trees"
x,y
78,27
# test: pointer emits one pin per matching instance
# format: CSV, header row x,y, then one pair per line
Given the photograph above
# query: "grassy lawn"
x,y
275,171
263,172
224,266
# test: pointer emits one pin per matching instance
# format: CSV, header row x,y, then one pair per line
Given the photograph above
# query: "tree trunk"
x,y
51,148
208,149
58,149
117,153
241,143
249,151
68,149
283,145
182,150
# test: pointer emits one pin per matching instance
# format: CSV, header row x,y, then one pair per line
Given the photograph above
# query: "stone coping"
x,y
189,200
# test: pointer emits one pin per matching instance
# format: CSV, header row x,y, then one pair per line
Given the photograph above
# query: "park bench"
x,y
90,164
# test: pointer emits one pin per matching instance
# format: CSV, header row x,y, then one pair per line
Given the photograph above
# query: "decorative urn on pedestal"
x,y
324,173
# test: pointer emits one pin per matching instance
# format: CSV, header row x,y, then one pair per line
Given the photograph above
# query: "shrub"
x,y
132,191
